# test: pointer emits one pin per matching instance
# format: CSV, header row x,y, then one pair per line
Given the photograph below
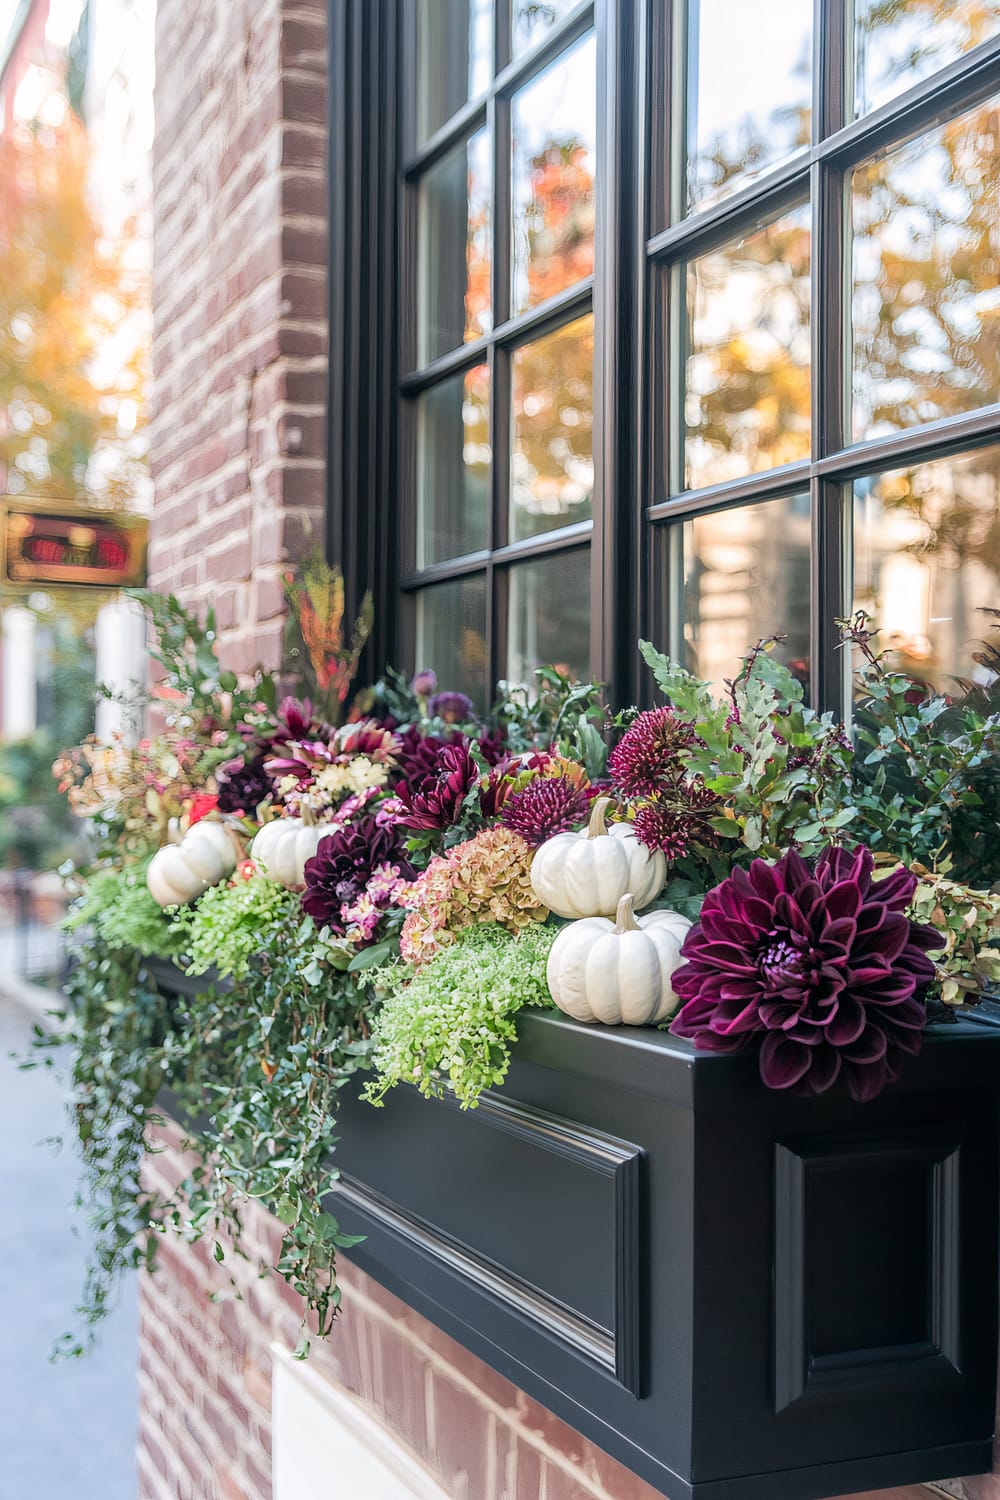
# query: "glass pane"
x,y
451,636
455,228
453,467
899,42
927,561
926,261
533,19
749,91
746,576
454,58
554,122
747,399
549,616
552,465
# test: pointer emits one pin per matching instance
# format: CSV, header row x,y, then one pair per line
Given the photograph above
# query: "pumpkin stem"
x,y
308,816
625,916
598,823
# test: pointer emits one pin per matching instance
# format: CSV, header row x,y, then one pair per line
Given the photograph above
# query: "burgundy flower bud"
x,y
437,803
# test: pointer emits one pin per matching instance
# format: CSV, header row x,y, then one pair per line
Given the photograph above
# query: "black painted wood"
x,y
739,1295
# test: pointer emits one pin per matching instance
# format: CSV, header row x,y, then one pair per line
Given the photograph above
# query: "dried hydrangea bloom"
x,y
485,879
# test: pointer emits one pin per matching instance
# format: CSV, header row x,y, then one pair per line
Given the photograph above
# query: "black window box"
x,y
738,1294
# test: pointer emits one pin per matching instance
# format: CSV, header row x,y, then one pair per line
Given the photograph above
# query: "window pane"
x,y
899,43
749,90
927,560
926,263
454,58
748,398
453,467
552,465
549,616
455,228
451,636
533,19
746,576
554,122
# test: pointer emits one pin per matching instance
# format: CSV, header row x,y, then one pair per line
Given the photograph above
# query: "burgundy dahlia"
x,y
243,785
646,756
344,863
418,756
437,802
818,960
547,805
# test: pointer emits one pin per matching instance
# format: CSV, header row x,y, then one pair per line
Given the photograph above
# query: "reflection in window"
x,y
927,277
748,398
554,122
749,90
746,576
454,58
927,561
534,18
552,464
451,635
455,226
453,467
896,44
549,616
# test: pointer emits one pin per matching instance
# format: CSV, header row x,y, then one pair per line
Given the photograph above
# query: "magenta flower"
x,y
678,819
818,961
437,802
547,805
418,755
646,756
424,683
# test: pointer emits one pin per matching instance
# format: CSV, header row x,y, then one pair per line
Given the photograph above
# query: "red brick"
x,y
461,1438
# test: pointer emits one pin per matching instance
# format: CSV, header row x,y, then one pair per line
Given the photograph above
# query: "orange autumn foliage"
x,y
65,292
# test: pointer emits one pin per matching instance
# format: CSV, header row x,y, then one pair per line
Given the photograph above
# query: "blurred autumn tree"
x,y
68,296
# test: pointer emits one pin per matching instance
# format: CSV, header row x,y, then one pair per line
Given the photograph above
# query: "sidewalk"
x,y
67,1431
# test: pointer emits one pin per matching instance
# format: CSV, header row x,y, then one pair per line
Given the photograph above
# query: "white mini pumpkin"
x,y
181,872
618,972
586,874
283,847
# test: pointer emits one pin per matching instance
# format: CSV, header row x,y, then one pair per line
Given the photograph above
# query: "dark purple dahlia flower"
x,y
646,756
437,802
243,785
418,756
547,805
344,863
820,961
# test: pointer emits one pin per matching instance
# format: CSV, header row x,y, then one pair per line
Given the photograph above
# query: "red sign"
x,y
66,547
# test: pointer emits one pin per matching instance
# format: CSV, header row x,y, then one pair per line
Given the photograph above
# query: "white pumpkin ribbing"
x,y
179,873
586,874
283,848
618,972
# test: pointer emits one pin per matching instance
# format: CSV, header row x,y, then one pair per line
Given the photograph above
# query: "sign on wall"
x,y
56,545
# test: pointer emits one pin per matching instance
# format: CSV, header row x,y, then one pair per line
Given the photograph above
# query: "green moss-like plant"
x,y
449,1026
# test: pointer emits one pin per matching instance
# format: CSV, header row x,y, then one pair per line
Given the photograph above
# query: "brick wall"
x,y
205,1385
239,297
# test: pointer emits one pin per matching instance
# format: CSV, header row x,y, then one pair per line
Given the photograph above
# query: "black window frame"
x,y
635,577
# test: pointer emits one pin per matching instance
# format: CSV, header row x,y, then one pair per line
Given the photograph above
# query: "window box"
x,y
736,1293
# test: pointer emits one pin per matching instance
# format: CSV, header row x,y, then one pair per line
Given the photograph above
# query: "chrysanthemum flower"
x,y
547,805
646,756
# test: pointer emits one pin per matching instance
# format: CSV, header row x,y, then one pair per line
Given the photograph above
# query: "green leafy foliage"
x,y
118,908
448,1026
780,768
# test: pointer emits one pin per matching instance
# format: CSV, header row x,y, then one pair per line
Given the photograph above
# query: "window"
x,y
824,271
694,313
497,354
